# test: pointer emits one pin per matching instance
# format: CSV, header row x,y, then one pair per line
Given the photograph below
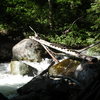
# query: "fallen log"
x,y
70,53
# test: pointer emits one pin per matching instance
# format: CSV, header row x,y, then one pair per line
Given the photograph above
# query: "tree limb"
x,y
70,53
66,31
92,45
45,47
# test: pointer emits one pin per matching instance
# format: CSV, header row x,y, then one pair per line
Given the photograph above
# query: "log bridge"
x,y
69,52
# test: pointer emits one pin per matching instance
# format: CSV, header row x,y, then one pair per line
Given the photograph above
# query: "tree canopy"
x,y
71,22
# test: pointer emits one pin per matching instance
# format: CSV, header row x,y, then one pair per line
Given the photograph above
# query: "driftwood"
x,y
45,47
68,30
50,53
70,53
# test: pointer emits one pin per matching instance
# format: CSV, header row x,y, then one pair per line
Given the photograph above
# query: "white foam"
x,y
40,66
9,83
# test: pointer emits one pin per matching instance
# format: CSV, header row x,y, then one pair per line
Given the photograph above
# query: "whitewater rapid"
x,y
10,83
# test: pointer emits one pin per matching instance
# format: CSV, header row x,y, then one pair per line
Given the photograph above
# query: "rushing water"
x,y
9,83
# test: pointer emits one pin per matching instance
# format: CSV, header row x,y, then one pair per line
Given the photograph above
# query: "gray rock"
x,y
27,49
19,68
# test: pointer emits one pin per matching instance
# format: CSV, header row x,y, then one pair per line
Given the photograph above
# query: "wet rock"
x,y
31,96
17,67
28,49
92,91
45,88
87,72
65,67
36,84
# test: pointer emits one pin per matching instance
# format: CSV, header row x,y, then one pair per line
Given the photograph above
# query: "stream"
x,y
9,83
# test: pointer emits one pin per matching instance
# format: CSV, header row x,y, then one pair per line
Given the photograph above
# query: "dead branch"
x,y
66,31
50,53
70,53
45,47
92,45
46,70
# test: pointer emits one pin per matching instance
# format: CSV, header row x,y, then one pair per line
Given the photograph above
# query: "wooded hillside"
x,y
71,22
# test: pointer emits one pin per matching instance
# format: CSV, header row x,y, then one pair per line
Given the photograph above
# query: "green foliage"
x,y
20,11
94,51
2,27
68,40
94,12
20,14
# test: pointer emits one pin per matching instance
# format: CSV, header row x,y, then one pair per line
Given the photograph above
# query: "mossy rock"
x,y
65,67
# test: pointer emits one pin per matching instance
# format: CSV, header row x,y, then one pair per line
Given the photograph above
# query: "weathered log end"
x,y
89,58
93,59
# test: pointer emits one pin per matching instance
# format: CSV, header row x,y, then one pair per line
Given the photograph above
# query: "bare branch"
x,y
45,47
36,35
50,53
92,45
66,31
68,52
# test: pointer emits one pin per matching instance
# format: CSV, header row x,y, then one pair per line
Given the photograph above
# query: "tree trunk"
x,y
50,14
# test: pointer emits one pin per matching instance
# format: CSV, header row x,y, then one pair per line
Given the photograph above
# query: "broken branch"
x,y
45,47
70,53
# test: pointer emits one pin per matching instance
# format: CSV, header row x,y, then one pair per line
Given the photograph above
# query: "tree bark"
x,y
50,14
68,52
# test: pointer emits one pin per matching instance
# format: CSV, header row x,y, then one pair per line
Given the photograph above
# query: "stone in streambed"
x,y
65,67
27,49
19,68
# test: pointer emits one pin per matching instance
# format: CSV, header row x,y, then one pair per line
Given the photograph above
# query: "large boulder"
x,y
87,72
46,88
27,49
7,41
65,67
